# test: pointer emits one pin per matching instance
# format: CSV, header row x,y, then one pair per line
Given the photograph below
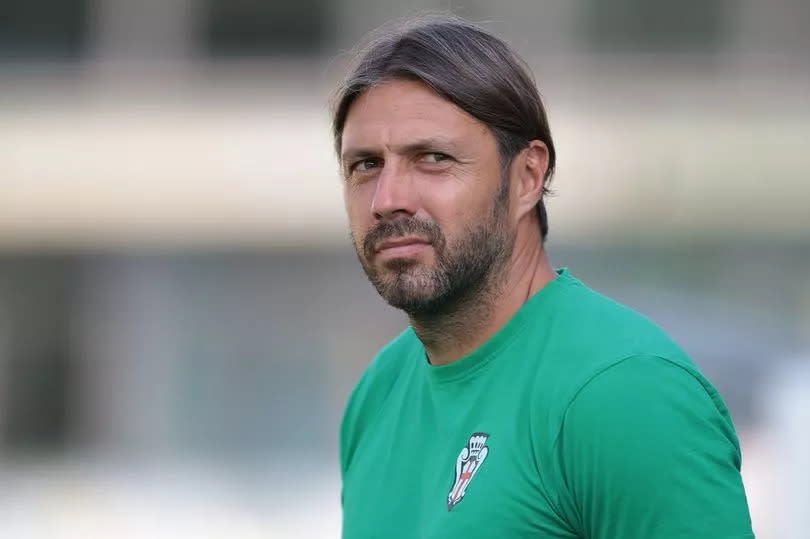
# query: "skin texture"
x,y
439,228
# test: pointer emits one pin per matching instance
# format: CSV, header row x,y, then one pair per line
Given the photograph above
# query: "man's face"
x,y
427,206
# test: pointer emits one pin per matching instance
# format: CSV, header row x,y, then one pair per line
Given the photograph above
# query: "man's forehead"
x,y
407,112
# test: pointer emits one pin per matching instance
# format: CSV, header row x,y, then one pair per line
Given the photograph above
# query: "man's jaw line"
x,y
447,335
454,334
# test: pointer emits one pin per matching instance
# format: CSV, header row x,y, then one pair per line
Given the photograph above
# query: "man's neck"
x,y
450,337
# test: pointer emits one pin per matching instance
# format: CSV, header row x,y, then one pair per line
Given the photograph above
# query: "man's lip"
x,y
400,242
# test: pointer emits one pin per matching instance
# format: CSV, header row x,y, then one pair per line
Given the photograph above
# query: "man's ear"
x,y
531,176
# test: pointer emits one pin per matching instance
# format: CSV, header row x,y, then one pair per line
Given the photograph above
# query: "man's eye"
x,y
435,157
365,165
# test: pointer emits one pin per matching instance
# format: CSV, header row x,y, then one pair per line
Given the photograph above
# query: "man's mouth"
x,y
402,247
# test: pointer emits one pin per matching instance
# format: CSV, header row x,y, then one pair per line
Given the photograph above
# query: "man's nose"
x,y
395,192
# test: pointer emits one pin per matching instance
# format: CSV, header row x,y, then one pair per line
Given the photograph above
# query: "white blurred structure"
x,y
787,399
147,141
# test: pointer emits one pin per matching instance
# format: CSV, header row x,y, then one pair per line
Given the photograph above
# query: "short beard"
x,y
466,272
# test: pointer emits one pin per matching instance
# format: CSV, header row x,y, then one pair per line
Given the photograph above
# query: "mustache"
x,y
401,227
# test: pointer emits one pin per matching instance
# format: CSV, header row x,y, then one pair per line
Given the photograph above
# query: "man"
x,y
519,403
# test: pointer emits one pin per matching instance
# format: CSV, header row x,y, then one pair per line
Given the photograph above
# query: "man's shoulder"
x,y
389,362
374,387
618,406
600,329
589,334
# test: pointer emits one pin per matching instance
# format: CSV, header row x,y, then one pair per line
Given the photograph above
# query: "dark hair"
x,y
469,67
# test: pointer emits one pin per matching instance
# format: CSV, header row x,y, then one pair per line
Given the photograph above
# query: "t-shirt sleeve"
x,y
647,450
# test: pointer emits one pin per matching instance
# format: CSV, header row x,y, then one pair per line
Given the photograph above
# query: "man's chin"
x,y
407,296
410,304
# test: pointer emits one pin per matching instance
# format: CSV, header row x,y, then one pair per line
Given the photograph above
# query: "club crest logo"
x,y
468,463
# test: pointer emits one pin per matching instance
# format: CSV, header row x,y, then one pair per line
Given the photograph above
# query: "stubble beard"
x,y
465,273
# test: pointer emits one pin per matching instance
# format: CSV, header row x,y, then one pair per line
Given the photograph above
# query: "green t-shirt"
x,y
579,418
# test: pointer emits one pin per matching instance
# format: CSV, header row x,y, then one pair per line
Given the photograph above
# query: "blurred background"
x,y
182,316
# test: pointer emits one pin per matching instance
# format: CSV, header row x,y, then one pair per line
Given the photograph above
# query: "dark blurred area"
x,y
181,313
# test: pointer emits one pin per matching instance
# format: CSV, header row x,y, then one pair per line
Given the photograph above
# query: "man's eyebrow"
x,y
419,145
426,145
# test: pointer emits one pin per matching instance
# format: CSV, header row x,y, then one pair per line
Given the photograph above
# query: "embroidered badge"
x,y
468,463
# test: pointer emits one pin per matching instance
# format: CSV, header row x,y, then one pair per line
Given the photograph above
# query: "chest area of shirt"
x,y
469,471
